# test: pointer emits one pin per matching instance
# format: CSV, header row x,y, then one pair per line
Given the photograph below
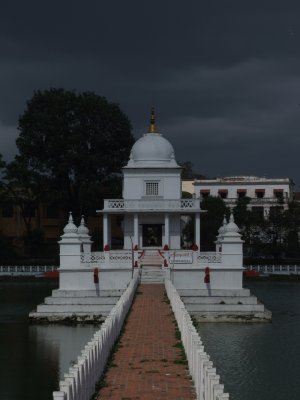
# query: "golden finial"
x,y
152,127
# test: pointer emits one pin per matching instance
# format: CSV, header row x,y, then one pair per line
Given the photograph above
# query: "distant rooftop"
x,y
244,178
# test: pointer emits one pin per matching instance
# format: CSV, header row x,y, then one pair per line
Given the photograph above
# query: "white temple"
x,y
152,203
210,283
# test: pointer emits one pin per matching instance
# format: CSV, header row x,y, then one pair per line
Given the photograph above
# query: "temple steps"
x,y
224,305
151,258
152,274
80,300
76,306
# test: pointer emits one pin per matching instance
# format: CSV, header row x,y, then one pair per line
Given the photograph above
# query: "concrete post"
x,y
84,236
167,230
232,246
105,230
197,230
136,230
70,247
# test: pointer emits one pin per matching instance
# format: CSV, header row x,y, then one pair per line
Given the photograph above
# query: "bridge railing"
x,y
79,383
26,269
203,373
275,269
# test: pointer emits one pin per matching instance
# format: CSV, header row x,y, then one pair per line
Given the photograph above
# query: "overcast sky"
x,y
223,75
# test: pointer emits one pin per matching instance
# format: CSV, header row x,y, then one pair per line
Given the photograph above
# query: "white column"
x,y
197,230
105,229
135,229
167,230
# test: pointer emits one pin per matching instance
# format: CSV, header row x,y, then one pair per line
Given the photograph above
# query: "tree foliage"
x,y
76,144
188,171
211,220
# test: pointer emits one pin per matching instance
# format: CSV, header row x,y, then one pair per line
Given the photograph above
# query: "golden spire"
x,y
152,127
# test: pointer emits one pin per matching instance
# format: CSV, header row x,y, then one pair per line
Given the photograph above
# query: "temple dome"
x,y
152,149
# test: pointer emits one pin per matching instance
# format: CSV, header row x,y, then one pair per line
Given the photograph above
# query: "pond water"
x,y
33,357
260,361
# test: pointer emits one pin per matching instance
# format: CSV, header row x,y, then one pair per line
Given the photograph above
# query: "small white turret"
x,y
221,232
232,245
84,236
70,246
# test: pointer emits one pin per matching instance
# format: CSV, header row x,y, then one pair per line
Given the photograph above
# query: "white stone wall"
x,y
109,279
135,180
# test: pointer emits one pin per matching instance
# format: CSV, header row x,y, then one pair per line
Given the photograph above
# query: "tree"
x,y
211,220
76,143
188,172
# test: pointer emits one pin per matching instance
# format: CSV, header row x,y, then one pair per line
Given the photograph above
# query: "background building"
x,y
264,193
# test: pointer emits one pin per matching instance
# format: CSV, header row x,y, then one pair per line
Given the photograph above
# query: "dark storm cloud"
x,y
223,75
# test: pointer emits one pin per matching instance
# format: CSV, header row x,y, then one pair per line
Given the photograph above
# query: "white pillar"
x,y
197,230
167,230
105,229
136,230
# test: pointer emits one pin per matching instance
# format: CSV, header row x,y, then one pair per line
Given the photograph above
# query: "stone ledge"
x,y
240,317
66,318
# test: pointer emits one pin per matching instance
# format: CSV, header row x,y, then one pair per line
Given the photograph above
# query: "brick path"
x,y
144,366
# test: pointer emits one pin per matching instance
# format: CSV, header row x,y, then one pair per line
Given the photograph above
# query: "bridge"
x,y
148,371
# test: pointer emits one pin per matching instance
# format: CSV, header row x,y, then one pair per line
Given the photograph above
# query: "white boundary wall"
x,y
26,270
204,375
80,381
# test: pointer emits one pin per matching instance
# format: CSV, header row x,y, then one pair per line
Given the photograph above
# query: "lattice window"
x,y
151,188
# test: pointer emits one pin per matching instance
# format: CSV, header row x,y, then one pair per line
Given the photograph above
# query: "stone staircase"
x,y
76,306
151,263
151,258
152,274
224,305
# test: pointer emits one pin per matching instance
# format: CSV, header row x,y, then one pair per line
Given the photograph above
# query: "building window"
x,y
151,188
260,193
223,193
7,211
278,193
204,193
241,193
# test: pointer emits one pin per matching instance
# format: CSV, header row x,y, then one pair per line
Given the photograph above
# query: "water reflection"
x,y
33,357
61,344
260,361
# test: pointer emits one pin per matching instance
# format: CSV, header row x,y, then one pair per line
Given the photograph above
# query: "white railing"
x,y
209,257
275,269
26,269
109,258
188,257
79,383
120,256
92,258
181,256
204,375
152,204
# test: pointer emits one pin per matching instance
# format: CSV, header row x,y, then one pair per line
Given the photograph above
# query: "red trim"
x,y
259,190
223,191
278,190
204,191
241,190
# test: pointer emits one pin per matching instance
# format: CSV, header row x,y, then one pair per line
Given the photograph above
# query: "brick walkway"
x,y
144,367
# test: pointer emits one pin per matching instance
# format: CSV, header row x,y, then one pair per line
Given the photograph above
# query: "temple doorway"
x,y
152,235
